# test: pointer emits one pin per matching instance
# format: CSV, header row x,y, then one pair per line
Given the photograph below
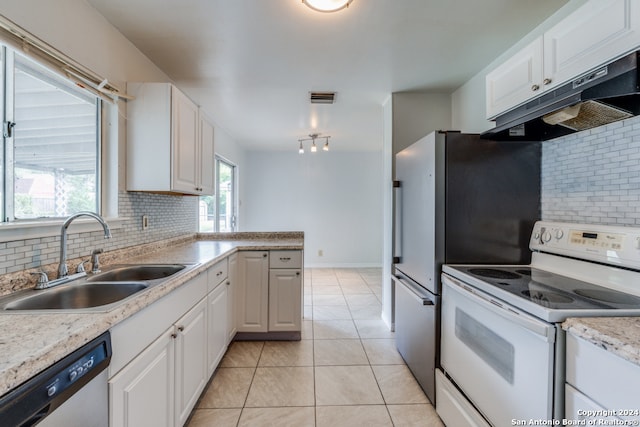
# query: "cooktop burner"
x,y
551,290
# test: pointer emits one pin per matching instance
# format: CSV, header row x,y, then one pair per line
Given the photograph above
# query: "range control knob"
x,y
536,235
546,237
72,375
559,234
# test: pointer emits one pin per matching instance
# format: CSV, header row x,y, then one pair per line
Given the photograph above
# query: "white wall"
x,y
416,114
334,197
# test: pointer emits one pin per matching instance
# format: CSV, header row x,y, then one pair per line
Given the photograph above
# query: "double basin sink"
x,y
98,292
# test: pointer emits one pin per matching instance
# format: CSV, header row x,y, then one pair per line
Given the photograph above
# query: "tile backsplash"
x,y
169,216
593,176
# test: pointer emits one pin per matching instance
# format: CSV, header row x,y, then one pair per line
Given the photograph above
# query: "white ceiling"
x,y
252,63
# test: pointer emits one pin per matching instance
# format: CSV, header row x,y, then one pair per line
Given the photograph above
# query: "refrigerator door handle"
x,y
420,294
397,249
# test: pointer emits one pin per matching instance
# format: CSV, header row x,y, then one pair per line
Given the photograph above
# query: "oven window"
x,y
490,347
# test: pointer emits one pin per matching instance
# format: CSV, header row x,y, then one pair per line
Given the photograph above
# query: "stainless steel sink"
x,y
143,272
73,296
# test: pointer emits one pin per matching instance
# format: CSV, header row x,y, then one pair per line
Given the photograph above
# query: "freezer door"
x,y
417,242
416,331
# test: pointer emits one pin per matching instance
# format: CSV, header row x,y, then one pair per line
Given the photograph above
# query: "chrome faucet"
x,y
63,271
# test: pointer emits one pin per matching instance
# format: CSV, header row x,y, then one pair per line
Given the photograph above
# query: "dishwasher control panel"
x,y
44,392
77,370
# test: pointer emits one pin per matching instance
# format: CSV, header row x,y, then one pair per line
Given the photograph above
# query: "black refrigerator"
x,y
459,199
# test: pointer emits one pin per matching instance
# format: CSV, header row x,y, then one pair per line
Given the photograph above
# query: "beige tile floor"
x,y
345,371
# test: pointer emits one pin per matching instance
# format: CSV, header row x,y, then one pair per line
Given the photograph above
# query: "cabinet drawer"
x,y
285,259
608,379
217,274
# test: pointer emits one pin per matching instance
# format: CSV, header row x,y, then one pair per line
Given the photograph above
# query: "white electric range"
x,y
502,345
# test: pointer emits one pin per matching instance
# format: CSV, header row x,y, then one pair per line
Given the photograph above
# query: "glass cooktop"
x,y
551,290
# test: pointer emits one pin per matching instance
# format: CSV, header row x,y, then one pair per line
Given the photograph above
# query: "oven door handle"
x,y
545,331
416,291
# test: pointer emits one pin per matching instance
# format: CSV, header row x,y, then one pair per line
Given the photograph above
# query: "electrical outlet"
x,y
320,252
145,222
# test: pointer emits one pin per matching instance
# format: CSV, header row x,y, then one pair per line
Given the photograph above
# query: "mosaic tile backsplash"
x,y
169,216
593,176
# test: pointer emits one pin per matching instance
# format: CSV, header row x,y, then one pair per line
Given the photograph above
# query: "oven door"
x,y
500,357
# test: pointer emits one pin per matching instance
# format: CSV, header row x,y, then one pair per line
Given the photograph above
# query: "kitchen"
x,y
560,199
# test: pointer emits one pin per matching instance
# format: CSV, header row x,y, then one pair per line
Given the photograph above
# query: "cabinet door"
x,y
141,394
285,300
184,152
191,360
232,284
253,291
206,175
596,33
516,80
217,321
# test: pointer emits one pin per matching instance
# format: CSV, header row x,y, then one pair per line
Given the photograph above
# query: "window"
x,y
218,212
50,163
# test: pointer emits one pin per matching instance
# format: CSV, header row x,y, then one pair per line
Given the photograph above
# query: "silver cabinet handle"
x,y
285,259
546,81
535,87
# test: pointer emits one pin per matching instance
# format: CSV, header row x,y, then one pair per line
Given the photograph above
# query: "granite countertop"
x,y
30,342
617,335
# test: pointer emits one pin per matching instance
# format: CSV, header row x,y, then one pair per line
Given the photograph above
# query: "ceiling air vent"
x,y
322,97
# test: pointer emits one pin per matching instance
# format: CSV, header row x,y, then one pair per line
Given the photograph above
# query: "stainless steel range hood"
x,y
605,95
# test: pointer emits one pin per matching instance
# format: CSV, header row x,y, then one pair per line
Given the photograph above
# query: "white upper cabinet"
x,y
169,142
206,156
515,80
596,33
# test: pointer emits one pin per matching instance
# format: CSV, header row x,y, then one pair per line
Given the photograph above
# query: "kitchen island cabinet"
x,y
253,291
269,294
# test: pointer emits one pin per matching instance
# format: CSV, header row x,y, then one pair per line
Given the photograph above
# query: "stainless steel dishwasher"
x,y
71,393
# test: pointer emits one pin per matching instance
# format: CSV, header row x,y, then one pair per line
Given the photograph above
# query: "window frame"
x,y
109,122
38,70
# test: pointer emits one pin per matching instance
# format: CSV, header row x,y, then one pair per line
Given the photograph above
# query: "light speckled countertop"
x,y
31,342
618,335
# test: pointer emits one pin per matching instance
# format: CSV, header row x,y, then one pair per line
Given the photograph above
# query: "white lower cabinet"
x,y
217,319
285,300
161,385
141,394
610,391
232,285
191,360
253,291
269,291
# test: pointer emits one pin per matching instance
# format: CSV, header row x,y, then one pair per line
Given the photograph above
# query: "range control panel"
x,y
613,245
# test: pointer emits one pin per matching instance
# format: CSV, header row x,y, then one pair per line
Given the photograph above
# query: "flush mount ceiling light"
x,y
314,147
327,5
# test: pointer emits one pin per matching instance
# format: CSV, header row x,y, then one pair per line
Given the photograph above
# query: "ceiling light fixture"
x,y
314,147
327,5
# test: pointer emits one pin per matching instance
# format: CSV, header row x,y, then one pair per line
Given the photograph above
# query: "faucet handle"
x,y
95,261
80,268
43,279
